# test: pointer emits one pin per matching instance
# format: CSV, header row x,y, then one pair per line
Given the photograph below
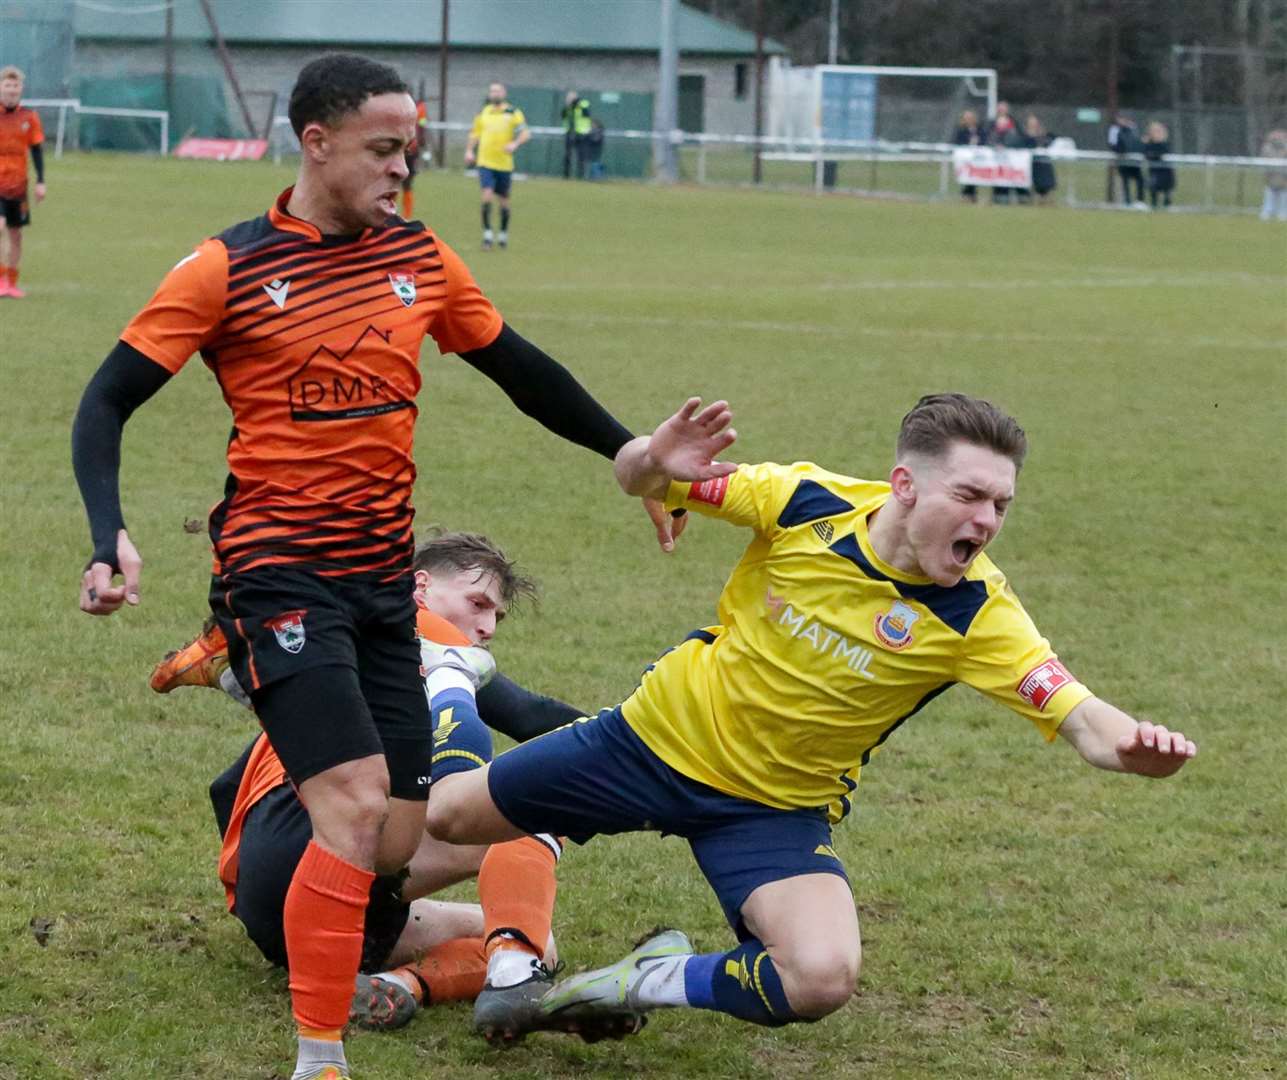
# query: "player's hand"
x,y
98,596
40,192
510,147
469,157
1152,750
668,525
685,446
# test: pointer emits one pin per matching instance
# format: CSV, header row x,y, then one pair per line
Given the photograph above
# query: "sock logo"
x,y
737,969
446,725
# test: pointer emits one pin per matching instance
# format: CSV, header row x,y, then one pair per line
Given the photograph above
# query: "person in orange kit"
x,y
20,134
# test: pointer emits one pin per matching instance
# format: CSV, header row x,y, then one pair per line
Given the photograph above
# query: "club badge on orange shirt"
x,y
894,627
403,283
289,628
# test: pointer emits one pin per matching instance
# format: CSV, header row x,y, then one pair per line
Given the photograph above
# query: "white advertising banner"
x,y
992,166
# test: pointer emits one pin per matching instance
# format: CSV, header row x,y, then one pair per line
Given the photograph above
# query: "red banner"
x,y
222,149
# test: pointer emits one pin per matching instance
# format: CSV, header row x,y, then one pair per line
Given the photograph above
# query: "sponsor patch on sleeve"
x,y
709,491
1043,682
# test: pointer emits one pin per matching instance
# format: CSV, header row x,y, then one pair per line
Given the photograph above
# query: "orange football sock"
x,y
324,918
408,203
516,887
452,971
13,275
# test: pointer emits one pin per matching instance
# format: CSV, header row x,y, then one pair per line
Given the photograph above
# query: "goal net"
x,y
71,125
838,105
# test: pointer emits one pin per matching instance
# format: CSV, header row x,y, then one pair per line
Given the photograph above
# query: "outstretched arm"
x,y
547,392
1110,739
683,447
125,380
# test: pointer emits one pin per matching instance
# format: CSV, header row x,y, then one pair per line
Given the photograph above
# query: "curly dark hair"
x,y
335,85
456,551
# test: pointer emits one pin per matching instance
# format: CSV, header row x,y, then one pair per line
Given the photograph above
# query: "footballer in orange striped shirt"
x,y
311,318
20,133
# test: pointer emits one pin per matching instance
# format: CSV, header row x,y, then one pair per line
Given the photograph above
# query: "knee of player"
x,y
354,795
442,819
818,982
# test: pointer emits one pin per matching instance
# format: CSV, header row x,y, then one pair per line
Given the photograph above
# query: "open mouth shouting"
x,y
964,551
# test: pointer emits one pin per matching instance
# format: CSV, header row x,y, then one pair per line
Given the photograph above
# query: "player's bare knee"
x,y
817,983
348,805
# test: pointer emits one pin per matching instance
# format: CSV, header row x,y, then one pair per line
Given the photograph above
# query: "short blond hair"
x,y
12,72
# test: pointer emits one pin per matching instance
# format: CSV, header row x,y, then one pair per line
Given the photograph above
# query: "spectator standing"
x,y
969,133
1161,175
594,149
1124,141
1002,133
1274,206
576,132
1037,139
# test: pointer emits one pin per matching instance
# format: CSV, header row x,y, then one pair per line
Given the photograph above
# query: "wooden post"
x,y
224,58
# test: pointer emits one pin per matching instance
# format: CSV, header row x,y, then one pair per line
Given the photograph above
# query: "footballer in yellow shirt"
x,y
855,604
498,131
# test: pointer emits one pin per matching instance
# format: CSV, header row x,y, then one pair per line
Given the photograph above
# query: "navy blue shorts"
x,y
496,179
597,776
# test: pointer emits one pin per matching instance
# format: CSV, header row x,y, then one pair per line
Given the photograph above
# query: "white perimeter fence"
x,y
911,170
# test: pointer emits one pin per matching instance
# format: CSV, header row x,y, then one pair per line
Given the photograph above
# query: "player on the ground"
x,y
498,131
312,318
415,951
856,604
20,134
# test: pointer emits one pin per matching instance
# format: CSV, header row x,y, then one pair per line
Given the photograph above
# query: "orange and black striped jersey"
x,y
20,130
315,341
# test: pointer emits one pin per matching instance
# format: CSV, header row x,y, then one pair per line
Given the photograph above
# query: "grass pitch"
x,y
1023,914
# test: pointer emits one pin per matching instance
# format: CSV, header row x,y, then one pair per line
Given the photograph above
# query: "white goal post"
x,y
68,135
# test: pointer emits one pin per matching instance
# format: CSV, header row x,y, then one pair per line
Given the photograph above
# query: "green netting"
x,y
198,107
36,35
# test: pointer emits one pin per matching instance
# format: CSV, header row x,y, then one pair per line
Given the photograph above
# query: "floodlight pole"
x,y
442,86
833,33
667,95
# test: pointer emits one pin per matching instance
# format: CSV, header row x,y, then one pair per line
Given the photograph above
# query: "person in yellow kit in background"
x,y
498,131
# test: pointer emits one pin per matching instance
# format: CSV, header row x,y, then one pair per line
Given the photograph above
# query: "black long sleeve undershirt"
x,y
122,383
512,710
38,160
537,384
546,391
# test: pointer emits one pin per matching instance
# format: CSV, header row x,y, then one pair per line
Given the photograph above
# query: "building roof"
x,y
554,25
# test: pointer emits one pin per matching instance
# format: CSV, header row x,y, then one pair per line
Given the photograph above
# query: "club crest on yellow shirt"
x,y
894,627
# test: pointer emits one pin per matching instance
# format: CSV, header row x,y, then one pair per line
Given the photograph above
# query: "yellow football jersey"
x,y
822,649
495,127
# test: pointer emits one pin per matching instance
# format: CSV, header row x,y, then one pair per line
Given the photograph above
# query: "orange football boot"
x,y
199,663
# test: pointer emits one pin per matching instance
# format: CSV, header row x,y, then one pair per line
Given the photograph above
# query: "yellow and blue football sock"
x,y
461,741
742,983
